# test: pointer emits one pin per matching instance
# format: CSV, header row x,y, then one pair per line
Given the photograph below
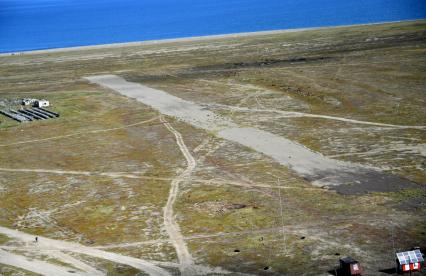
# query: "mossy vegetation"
x,y
4,239
12,271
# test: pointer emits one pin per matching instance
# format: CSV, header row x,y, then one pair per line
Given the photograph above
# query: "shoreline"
x,y
191,39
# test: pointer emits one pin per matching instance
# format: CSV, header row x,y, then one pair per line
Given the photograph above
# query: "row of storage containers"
x,y
25,115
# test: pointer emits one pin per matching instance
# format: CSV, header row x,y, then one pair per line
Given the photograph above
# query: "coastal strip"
x,y
191,39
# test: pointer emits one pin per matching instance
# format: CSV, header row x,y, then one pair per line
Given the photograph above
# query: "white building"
x,y
41,103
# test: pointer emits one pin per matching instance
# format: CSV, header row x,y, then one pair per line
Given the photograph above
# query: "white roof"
x,y
410,257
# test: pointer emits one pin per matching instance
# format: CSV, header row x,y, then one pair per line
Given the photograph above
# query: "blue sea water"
x,y
43,24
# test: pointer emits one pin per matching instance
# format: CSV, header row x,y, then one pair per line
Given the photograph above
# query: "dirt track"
x,y
35,266
50,244
172,228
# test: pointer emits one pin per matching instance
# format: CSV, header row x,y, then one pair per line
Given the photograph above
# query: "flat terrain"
x,y
267,154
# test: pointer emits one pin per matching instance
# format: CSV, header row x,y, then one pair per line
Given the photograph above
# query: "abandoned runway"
x,y
342,176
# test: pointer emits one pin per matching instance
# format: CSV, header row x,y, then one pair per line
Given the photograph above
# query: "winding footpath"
x,y
137,175
293,114
79,133
173,230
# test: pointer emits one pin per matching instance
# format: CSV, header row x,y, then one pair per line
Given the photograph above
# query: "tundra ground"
x,y
113,186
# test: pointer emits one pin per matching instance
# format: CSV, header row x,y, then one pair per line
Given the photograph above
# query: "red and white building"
x,y
410,260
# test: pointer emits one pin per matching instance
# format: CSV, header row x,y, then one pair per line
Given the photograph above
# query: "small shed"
x,y
41,103
349,267
409,260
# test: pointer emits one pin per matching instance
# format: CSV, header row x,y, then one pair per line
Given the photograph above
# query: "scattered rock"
x,y
332,101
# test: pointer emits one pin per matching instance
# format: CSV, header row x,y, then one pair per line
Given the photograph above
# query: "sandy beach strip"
x,y
190,39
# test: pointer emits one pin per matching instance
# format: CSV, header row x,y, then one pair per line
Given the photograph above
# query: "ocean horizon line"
x,y
192,38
